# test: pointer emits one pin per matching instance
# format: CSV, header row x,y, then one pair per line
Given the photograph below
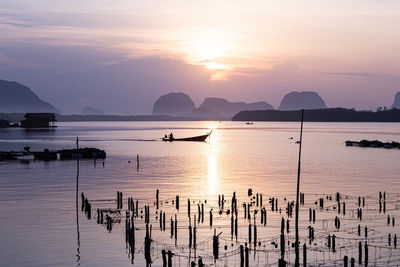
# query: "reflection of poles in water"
x,y
297,260
76,202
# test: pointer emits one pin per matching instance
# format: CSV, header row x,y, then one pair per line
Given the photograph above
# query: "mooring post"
x,y
194,232
241,256
211,218
215,245
281,263
249,234
202,213
257,197
164,258
188,208
313,216
236,228
232,226
247,256
190,234
163,221
172,228
176,228
282,246
157,196
169,258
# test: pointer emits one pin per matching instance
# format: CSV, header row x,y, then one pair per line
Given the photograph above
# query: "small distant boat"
x,y
249,123
200,138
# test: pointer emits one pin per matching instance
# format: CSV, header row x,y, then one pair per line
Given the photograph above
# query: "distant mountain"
x,y
88,110
16,97
396,103
221,107
302,100
173,104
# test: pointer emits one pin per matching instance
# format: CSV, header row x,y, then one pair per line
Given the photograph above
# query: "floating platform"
x,y
83,153
374,143
49,155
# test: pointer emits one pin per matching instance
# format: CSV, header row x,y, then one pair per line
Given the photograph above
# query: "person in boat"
x,y
171,136
165,137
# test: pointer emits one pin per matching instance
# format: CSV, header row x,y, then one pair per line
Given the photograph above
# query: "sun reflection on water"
x,y
212,157
212,172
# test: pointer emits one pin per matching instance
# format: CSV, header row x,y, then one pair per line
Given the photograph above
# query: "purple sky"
x,y
120,56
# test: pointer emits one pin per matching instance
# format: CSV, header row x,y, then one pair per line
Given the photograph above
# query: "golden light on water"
x,y
212,160
212,173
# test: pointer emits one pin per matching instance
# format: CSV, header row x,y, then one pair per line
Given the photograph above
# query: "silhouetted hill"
x,y
16,97
119,118
204,113
302,100
16,117
396,103
174,104
320,115
88,110
221,107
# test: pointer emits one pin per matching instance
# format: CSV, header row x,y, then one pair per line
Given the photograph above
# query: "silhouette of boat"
x,y
249,123
200,138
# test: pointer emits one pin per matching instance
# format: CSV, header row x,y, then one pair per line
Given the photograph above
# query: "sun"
x,y
215,66
211,50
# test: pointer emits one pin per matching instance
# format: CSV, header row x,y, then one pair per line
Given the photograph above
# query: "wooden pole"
x,y
76,203
297,260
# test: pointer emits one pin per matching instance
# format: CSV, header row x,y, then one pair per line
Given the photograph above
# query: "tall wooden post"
x,y
297,260
76,201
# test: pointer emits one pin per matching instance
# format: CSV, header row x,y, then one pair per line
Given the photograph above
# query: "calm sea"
x,y
38,224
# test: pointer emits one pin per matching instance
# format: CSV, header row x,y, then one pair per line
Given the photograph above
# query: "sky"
x,y
121,55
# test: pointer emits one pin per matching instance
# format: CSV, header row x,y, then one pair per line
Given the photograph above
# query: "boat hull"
x,y
200,138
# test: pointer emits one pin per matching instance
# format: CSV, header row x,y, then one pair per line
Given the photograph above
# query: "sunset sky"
x,y
86,51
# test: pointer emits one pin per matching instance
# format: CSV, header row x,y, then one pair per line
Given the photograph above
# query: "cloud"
x,y
357,74
10,63
71,77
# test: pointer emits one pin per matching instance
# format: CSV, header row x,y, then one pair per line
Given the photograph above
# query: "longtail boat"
x,y
200,138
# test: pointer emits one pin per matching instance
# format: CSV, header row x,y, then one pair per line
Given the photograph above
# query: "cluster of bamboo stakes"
x,y
336,229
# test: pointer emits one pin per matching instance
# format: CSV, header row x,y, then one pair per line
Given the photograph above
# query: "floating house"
x,y
39,120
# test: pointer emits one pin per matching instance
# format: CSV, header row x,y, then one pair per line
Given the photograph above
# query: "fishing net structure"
x,y
257,230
